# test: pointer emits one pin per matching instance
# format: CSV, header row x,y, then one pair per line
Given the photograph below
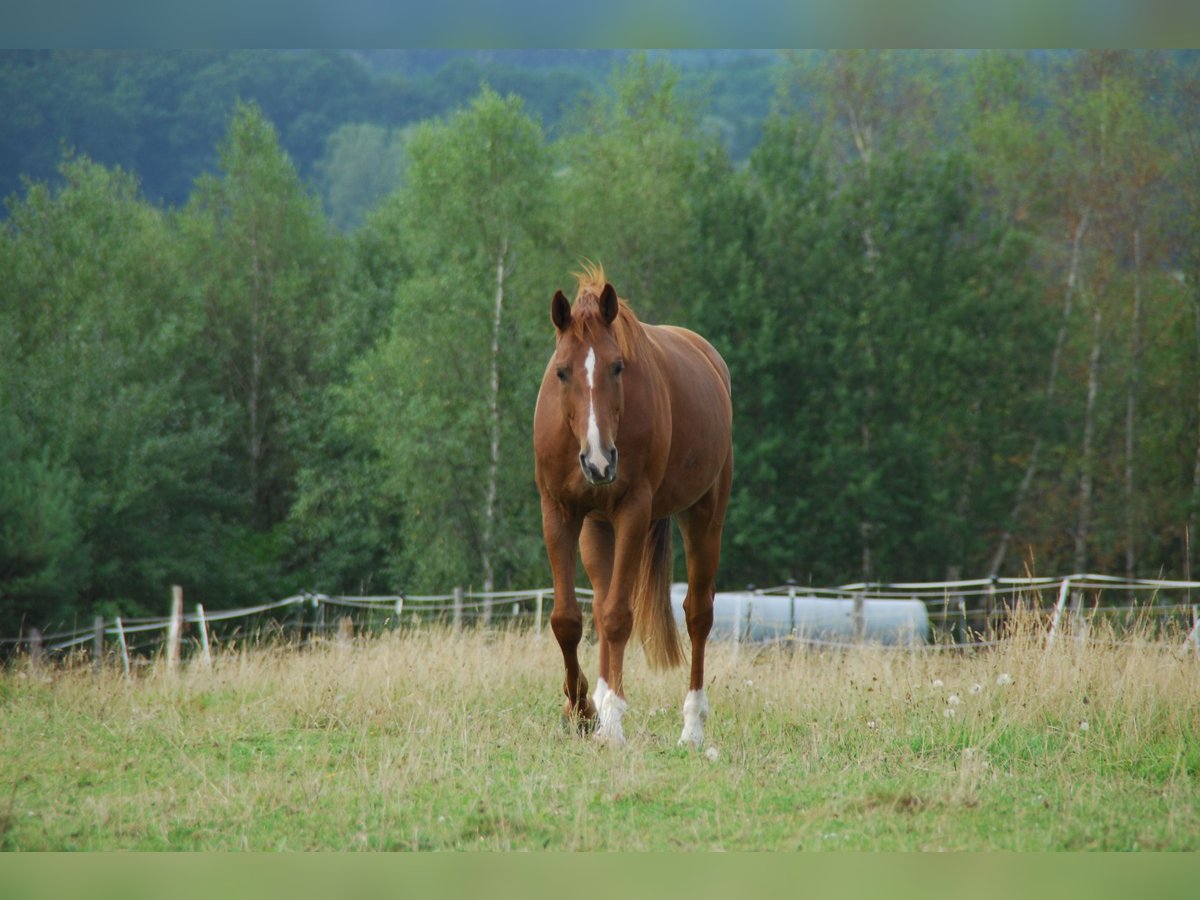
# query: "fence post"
x,y
537,629
97,644
792,604
991,609
35,650
345,633
399,610
204,635
458,609
124,648
1058,610
737,623
298,620
175,628
860,619
1078,618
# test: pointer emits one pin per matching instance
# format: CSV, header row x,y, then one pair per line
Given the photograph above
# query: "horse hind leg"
x,y
701,529
698,609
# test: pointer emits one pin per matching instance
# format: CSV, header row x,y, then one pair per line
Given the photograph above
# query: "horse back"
x,y
698,384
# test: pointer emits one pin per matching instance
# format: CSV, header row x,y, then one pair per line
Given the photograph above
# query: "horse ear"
x,y
609,305
560,311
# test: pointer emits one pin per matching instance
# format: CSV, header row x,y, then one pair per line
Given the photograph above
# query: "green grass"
x,y
425,741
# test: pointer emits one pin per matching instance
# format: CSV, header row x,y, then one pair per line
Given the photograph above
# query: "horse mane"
x,y
626,328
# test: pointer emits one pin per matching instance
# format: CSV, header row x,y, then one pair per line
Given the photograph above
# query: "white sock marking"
x,y
599,693
611,708
695,712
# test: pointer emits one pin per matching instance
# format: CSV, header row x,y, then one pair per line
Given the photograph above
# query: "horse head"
x,y
588,363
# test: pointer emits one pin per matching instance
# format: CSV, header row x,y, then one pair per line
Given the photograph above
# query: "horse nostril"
x,y
599,474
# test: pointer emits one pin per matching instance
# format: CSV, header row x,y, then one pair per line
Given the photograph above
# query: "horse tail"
x,y
653,620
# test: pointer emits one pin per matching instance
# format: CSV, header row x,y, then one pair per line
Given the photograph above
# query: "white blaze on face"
x,y
695,712
595,455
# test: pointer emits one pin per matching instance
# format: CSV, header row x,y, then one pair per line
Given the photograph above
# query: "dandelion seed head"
x,y
954,700
1003,678
976,688
711,754
937,683
949,712
1083,726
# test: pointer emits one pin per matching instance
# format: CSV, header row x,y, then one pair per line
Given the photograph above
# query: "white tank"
x,y
750,616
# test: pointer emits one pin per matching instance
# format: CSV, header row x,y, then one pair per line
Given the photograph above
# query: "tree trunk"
x,y
1195,505
963,504
1083,523
1089,428
489,510
254,412
1031,466
1135,353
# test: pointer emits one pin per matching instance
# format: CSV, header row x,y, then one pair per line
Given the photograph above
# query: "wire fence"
x,y
967,614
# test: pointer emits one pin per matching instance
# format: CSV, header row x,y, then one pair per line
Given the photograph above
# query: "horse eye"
x,y
618,367
562,373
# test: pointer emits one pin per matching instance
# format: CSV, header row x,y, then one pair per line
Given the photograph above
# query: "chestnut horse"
x,y
633,426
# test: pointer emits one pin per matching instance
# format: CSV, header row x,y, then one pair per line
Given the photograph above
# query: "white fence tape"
x,y
938,597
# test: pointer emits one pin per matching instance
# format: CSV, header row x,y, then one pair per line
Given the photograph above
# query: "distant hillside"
x,y
161,114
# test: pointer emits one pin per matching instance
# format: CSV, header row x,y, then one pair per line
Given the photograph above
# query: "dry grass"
x,y
426,740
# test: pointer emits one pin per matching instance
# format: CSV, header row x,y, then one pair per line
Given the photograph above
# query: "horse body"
x,y
633,426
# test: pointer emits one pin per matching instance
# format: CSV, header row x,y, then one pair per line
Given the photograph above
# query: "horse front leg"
x,y
596,547
561,534
615,621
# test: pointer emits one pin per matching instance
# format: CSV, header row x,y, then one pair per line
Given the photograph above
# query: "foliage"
x,y
267,273
258,389
99,321
421,406
633,166
362,164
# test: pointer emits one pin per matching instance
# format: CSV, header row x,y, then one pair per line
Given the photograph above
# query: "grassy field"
x,y
427,741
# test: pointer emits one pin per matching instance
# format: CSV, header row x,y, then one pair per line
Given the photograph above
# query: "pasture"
x,y
427,740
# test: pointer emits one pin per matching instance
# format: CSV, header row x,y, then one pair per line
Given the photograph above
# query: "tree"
x,y
362,164
440,410
44,565
878,382
633,166
119,446
269,275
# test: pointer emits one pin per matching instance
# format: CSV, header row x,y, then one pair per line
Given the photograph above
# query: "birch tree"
x,y
268,273
453,385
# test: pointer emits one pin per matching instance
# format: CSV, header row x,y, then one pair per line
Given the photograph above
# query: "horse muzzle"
x,y
599,468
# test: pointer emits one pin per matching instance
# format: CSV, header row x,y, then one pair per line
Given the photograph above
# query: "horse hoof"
x,y
578,722
691,739
610,738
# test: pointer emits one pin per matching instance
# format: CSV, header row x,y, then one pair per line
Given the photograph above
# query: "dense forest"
x,y
341,117
251,303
